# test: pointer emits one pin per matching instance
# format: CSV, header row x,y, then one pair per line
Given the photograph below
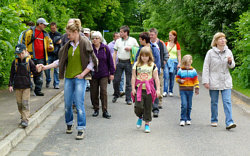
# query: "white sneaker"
x,y
182,123
171,94
214,124
188,122
165,94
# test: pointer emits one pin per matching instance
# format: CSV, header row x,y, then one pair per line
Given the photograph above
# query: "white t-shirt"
x,y
120,46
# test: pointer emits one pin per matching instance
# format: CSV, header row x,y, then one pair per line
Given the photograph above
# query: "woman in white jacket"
x,y
216,77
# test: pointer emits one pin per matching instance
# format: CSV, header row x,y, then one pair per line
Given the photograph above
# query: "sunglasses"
x,y
95,38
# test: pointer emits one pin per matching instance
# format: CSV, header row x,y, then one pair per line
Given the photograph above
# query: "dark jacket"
x,y
106,64
86,51
55,38
20,76
163,53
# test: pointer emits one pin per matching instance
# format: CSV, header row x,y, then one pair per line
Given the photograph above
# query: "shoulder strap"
x,y
33,38
16,63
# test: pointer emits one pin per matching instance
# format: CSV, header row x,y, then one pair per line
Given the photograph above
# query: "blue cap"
x,y
20,48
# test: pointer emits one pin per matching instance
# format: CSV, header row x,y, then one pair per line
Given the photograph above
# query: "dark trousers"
x,y
38,79
95,84
143,108
120,67
156,103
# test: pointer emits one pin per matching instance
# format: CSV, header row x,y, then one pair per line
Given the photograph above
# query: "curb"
x,y
241,96
19,134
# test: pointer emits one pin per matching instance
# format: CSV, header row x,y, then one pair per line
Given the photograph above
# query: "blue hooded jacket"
x,y
156,54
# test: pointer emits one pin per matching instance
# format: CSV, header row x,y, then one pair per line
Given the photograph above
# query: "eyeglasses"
x,y
96,38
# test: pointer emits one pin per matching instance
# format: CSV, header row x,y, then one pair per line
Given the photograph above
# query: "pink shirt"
x,y
149,88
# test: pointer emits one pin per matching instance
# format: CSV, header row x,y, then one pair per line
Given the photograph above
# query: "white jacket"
x,y
216,69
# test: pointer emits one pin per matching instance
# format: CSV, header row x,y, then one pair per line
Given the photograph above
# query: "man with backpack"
x,y
38,44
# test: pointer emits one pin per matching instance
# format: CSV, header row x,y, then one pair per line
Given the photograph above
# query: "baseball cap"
x,y
86,30
20,48
42,20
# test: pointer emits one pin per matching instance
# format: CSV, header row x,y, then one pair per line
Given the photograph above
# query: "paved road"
x,y
9,115
119,136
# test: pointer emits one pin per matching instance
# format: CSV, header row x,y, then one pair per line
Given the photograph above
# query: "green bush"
x,y
10,29
241,51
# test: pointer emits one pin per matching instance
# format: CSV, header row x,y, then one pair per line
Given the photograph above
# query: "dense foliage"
x,y
196,21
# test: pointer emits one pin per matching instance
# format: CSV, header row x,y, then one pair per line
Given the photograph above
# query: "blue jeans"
x,y
186,105
51,59
122,83
169,78
74,89
226,99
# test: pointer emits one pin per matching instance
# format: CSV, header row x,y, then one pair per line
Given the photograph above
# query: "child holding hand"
x,y
188,80
20,80
144,74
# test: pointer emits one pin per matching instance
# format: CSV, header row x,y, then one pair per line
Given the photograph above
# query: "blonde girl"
x,y
144,74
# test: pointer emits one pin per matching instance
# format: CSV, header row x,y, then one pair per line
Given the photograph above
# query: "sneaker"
x,y
38,93
165,94
160,107
56,87
80,135
155,114
182,123
69,129
129,102
188,122
171,94
96,113
24,124
114,99
232,125
147,129
139,123
214,124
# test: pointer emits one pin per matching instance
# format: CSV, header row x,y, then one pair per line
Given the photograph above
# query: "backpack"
x,y
27,63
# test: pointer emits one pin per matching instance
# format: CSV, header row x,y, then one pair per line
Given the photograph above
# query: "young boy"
x,y
20,81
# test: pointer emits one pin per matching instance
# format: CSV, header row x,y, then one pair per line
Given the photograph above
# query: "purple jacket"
x,y
106,65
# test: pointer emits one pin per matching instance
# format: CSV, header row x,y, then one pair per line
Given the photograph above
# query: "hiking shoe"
x,y
160,107
114,99
147,129
69,129
24,124
80,135
106,115
39,93
165,94
214,124
171,94
47,85
139,123
182,123
87,89
96,113
188,122
232,125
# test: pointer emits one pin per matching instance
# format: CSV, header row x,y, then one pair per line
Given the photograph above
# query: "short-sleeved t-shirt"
x,y
120,46
144,72
173,52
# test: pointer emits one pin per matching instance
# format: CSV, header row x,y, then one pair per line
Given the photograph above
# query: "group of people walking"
x,y
150,71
